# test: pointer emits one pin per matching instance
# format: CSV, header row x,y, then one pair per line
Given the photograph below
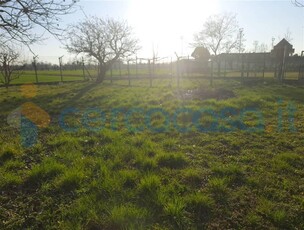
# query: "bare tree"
x,y
219,34
288,36
240,41
263,47
255,46
19,17
9,66
259,47
106,40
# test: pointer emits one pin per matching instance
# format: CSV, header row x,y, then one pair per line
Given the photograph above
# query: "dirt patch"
x,y
205,94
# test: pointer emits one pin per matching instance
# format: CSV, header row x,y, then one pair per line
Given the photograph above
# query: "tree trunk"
x,y
101,73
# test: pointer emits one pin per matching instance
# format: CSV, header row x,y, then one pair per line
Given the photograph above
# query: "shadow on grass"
x,y
83,91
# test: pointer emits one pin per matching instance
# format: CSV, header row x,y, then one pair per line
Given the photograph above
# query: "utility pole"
x,y
272,42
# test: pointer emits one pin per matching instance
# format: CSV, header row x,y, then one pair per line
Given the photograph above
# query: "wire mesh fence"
x,y
157,69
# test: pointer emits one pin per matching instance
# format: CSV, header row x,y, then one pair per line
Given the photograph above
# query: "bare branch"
x,y
298,3
19,17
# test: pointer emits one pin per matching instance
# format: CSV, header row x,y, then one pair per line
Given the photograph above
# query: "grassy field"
x,y
155,162
77,75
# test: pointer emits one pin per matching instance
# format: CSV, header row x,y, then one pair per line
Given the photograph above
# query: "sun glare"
x,y
166,25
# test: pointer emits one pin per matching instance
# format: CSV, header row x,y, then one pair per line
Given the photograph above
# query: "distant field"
x,y
161,157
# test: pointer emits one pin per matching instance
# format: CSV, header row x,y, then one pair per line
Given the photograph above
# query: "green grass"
x,y
234,177
45,76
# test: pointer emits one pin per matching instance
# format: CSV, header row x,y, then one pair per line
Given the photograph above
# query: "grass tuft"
x,y
70,180
200,206
127,216
45,171
171,160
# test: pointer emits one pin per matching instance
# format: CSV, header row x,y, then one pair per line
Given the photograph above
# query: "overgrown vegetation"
x,y
133,178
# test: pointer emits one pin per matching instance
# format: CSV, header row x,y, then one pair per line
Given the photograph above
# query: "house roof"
x,y
279,48
200,52
283,43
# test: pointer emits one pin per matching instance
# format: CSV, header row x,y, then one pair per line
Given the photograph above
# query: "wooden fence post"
x,y
188,66
264,65
219,68
35,67
247,66
150,75
153,67
211,79
136,67
284,64
178,71
225,66
60,67
119,66
242,73
128,66
171,67
111,71
83,69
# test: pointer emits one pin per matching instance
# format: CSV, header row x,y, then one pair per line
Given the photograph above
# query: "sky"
x,y
167,26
